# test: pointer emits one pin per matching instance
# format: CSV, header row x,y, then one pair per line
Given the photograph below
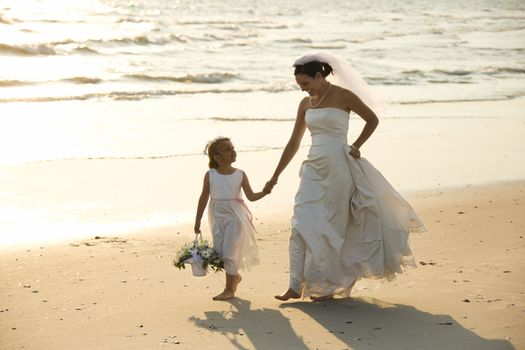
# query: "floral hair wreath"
x,y
212,142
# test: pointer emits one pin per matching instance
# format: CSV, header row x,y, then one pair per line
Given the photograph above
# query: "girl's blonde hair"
x,y
211,150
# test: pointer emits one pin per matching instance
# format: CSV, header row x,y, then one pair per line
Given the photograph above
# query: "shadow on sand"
x,y
361,323
265,328
368,323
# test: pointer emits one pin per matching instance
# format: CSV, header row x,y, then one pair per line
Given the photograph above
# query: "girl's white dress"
x,y
348,221
231,222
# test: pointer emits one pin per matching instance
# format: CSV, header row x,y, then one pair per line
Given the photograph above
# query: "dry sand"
x,y
123,293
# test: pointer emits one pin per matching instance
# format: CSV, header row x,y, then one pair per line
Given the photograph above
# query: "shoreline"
x,y
161,205
267,207
122,291
58,200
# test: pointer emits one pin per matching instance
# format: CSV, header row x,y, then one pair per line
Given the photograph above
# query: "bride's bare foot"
x,y
289,294
225,295
322,298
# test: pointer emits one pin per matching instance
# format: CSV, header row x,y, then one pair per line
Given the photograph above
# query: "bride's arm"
x,y
357,106
293,144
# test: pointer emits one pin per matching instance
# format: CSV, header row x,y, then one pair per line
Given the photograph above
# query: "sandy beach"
x,y
106,107
106,292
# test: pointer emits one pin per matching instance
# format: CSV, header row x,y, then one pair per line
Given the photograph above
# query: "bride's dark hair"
x,y
311,68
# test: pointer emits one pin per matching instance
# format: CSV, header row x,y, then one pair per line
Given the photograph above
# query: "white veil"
x,y
345,76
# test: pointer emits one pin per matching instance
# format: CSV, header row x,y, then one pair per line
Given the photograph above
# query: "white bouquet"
x,y
200,255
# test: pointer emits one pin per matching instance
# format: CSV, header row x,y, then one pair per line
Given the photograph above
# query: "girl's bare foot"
x,y
322,298
289,294
232,281
238,280
225,295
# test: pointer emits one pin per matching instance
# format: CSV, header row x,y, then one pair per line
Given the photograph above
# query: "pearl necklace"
x,y
322,98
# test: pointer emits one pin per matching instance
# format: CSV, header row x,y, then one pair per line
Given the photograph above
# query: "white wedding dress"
x,y
349,222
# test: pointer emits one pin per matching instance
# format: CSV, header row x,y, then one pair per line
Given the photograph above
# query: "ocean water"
x,y
142,78
146,80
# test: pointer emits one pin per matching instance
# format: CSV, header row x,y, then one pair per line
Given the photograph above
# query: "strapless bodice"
x,y
330,121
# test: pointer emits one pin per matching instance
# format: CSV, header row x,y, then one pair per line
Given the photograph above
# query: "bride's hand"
x,y
354,152
270,184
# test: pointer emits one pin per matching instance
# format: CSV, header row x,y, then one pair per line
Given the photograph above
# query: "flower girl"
x,y
229,218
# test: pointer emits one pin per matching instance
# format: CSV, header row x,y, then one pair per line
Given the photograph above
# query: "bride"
x,y
348,221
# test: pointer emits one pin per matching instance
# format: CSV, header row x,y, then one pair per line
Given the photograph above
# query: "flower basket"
x,y
199,255
197,267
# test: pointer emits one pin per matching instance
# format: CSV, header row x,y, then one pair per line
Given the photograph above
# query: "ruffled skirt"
x,y
233,235
353,224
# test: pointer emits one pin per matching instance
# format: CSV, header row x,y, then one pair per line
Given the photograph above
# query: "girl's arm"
x,y
203,201
355,104
293,144
252,197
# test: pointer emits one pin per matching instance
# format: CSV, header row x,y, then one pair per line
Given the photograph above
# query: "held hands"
x,y
269,185
266,190
354,152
